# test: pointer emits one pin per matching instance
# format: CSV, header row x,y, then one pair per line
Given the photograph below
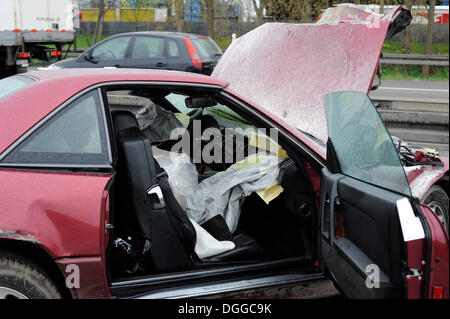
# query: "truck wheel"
x,y
21,279
21,69
437,199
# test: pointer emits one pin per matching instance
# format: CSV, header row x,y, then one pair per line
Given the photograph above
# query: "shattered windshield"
x,y
362,143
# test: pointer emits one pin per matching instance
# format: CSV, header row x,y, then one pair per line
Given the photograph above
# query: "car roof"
x,y
90,76
167,34
24,108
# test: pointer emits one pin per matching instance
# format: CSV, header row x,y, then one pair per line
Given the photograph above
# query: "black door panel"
x,y
350,278
361,229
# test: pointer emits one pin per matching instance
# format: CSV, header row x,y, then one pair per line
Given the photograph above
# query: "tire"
x,y
21,69
22,279
437,199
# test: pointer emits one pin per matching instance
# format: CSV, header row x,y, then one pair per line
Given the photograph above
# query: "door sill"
x,y
215,278
204,290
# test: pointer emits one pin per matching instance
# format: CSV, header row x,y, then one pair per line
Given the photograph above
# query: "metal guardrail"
x,y
396,59
392,59
415,59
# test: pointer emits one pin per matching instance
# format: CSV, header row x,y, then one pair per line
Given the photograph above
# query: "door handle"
x,y
161,64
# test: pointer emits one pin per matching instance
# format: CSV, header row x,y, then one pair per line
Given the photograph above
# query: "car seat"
x,y
159,217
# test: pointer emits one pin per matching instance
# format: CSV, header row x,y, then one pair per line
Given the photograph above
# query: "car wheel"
x,y
437,199
21,279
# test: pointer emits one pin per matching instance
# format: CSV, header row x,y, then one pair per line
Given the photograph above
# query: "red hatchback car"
x,y
157,184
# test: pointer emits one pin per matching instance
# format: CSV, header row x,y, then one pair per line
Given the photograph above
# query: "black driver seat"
x,y
160,218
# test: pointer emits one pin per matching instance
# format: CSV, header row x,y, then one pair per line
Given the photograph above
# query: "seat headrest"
x,y
123,120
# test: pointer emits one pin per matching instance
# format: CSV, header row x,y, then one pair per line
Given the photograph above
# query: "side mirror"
x,y
91,59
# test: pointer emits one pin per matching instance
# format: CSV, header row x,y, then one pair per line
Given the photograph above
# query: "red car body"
x,y
36,208
63,214
68,227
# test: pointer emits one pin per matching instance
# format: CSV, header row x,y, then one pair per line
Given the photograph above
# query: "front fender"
x,y
421,178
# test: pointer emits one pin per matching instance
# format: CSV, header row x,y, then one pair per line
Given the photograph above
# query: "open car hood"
x,y
288,68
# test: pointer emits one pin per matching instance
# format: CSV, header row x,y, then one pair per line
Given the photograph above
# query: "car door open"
x,y
367,212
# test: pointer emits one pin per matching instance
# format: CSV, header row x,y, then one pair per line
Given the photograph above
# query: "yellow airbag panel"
x,y
270,193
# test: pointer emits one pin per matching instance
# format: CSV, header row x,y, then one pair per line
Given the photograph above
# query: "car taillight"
x,y
24,55
438,292
195,57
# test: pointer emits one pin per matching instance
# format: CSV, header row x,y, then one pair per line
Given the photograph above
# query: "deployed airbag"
x,y
206,245
157,123
223,193
183,180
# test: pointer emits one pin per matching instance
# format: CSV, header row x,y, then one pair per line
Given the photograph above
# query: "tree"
x,y
260,9
210,17
102,8
306,13
207,9
179,10
382,6
407,38
291,10
429,38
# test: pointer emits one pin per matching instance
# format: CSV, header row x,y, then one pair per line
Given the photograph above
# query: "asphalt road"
x,y
429,96
416,98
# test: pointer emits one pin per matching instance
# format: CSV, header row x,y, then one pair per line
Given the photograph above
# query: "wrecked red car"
x,y
156,184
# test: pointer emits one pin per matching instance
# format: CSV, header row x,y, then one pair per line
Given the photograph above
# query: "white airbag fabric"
x,y
183,176
157,123
223,193
183,180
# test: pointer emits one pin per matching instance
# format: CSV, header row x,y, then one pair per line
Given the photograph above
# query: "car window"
x,y
179,102
222,113
207,47
147,48
76,135
363,146
173,50
112,49
13,84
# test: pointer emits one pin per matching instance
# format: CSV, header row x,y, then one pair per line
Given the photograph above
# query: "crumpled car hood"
x,y
288,68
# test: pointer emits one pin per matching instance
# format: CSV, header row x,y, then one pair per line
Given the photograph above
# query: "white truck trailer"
x,y
33,30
